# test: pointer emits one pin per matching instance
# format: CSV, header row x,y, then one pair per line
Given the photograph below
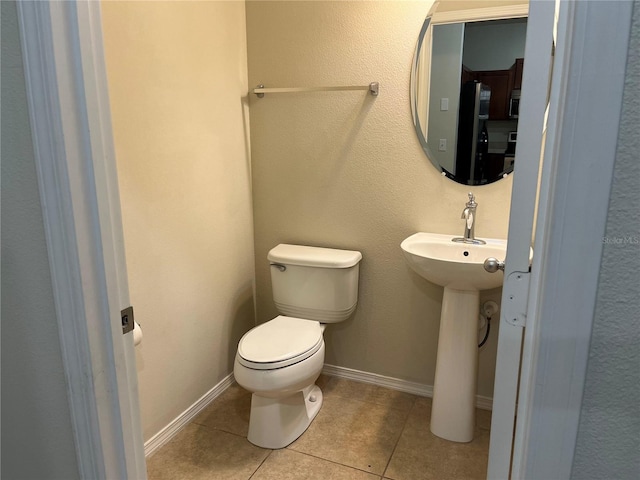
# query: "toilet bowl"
x,y
280,360
285,399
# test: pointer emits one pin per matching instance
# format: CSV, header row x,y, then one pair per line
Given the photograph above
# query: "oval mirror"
x,y
465,89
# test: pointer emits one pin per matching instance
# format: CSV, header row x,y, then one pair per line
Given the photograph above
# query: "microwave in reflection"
x,y
514,104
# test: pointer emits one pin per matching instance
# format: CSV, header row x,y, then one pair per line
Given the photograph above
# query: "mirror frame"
x,y
519,10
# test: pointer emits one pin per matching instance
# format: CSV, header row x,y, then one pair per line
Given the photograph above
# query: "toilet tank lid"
x,y
313,256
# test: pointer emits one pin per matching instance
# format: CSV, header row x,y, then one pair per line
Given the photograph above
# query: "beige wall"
x,y
178,82
344,169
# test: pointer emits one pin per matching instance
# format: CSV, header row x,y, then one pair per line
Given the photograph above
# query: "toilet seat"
x,y
279,343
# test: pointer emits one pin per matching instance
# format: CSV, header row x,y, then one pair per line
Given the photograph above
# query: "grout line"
x,y
399,437
369,401
211,427
261,463
333,461
215,429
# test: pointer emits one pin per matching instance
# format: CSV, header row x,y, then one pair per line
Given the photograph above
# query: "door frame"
x,y
578,156
70,120
71,126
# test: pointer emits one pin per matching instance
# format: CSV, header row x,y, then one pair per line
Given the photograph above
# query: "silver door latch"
x,y
127,320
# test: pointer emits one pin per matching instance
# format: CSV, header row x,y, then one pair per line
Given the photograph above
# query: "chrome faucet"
x,y
469,216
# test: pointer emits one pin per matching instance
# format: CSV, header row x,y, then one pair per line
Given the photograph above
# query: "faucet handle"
x,y
472,200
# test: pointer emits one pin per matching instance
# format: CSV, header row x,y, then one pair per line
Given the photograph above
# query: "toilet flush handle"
x,y
279,266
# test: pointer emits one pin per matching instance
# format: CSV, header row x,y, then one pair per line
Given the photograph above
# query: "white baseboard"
x,y
167,433
485,403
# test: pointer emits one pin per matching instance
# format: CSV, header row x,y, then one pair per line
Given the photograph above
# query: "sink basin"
x,y
458,266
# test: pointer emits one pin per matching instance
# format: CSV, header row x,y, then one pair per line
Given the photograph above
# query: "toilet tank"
x,y
315,283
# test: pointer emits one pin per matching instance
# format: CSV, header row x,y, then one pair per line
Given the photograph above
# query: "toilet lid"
x,y
280,342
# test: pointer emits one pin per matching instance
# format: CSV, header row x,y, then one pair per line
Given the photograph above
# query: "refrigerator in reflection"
x,y
473,138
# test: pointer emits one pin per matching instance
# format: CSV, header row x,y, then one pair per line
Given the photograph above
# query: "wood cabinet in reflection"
x,y
501,82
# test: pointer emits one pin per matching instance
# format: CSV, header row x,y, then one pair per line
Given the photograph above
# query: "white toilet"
x,y
279,361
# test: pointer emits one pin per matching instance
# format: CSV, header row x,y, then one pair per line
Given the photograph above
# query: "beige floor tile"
x,y
199,453
323,380
365,392
289,465
229,412
353,433
422,455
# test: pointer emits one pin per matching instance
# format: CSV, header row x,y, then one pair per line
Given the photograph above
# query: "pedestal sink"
x,y
458,267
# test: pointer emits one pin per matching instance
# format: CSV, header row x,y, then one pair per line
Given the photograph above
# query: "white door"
x,y
71,126
572,145
531,125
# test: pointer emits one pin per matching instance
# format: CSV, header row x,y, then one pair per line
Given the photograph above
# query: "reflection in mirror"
x,y
466,84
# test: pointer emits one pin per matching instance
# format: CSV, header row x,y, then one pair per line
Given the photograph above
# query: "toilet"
x,y
280,360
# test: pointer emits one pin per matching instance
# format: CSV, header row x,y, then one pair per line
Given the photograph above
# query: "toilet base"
x,y
277,422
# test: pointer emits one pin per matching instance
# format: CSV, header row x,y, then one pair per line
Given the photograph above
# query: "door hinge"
x,y
127,320
516,298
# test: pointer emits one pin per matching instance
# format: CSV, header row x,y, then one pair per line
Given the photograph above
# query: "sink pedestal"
x,y
454,389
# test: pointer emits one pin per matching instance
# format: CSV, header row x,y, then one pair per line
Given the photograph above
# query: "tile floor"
x,y
363,432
